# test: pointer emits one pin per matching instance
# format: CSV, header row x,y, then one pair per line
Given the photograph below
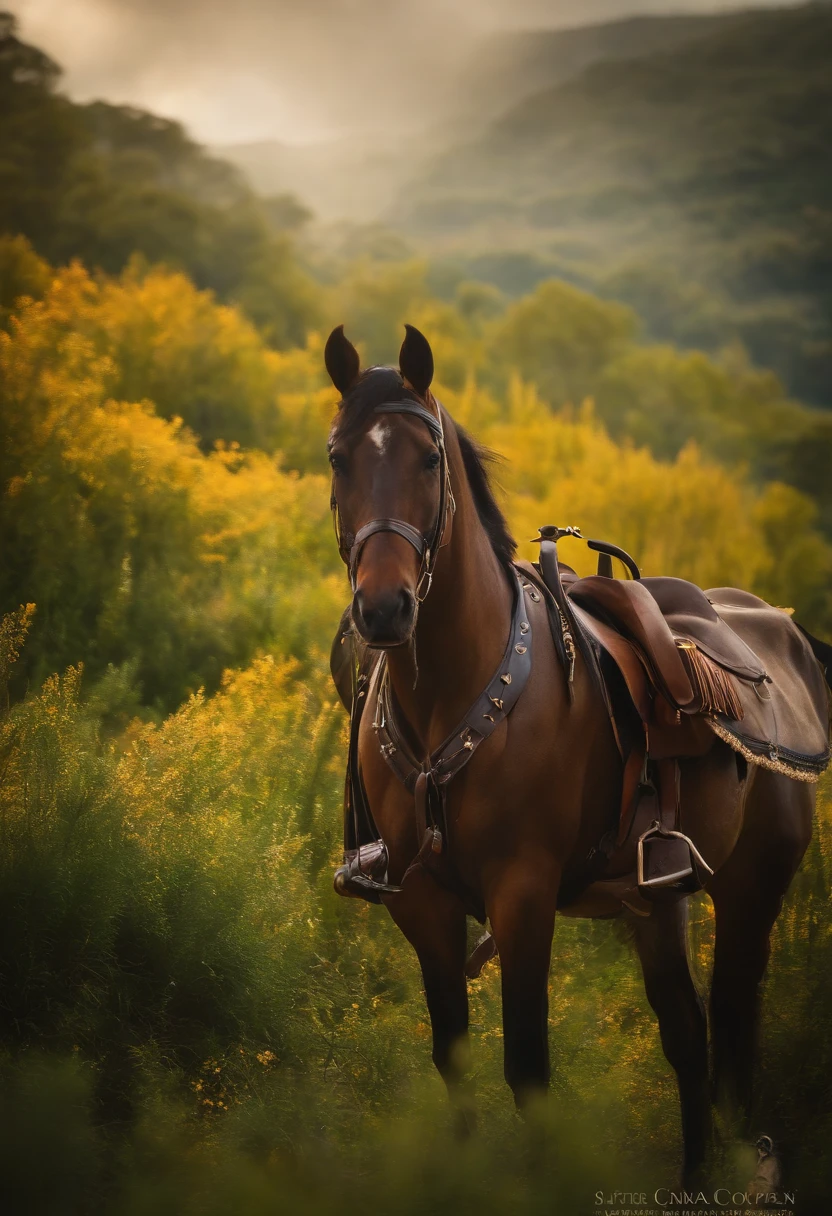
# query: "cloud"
x,y
297,70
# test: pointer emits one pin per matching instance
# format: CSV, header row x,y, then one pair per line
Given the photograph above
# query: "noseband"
x,y
427,546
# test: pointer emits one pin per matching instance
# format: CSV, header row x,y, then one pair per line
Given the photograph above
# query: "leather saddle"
x,y
724,654
679,666
655,613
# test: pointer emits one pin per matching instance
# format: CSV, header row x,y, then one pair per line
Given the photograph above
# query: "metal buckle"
x,y
421,595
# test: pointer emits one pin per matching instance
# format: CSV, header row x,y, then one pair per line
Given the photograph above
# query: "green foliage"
x,y
191,1021
561,338
164,892
377,297
197,361
22,273
104,182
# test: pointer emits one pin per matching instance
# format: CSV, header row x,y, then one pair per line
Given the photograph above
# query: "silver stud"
x,y
469,745
490,719
496,701
524,626
506,678
520,649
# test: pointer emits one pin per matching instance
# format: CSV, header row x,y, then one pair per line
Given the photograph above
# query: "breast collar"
x,y
427,780
427,546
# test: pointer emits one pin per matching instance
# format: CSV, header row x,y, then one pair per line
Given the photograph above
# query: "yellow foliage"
x,y
689,517
122,526
153,546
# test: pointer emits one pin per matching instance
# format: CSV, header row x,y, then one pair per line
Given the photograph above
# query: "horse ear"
x,y
416,360
341,359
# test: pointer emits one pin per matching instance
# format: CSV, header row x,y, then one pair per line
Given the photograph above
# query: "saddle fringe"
x,y
774,766
714,685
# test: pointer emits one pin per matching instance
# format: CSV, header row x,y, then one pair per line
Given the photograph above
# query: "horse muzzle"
x,y
385,619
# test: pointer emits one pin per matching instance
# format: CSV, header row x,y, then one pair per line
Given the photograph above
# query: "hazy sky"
x,y
297,70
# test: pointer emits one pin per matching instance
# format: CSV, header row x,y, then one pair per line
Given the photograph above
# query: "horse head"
x,y
390,484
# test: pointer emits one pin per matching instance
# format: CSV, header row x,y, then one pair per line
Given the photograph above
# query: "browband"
x,y
412,407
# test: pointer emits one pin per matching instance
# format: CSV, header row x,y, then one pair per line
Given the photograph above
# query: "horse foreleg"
x,y
522,913
661,941
434,923
747,893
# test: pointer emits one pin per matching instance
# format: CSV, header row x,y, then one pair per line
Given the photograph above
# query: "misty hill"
x,y
353,178
700,171
506,68
358,177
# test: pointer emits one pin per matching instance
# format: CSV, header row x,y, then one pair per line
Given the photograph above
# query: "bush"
x,y
134,544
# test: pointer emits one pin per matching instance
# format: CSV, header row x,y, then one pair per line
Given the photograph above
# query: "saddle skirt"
x,y
785,722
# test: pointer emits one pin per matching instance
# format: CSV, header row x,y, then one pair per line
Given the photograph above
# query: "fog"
x,y
296,70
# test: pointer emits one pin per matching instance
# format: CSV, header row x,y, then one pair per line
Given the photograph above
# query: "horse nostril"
x,y
386,617
406,603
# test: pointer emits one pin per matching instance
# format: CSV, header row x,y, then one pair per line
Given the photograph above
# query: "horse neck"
x,y
463,624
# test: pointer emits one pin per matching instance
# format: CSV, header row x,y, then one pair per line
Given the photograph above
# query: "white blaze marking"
x,y
379,434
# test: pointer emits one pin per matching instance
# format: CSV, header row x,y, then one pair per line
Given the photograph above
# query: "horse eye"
x,y
432,461
338,463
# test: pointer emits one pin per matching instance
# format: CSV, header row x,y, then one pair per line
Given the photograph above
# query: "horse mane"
x,y
475,459
378,385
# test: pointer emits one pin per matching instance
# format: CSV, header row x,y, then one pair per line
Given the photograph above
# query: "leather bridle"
x,y
427,546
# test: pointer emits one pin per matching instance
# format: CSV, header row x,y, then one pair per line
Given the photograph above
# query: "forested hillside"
x,y
104,183
509,67
190,1020
693,182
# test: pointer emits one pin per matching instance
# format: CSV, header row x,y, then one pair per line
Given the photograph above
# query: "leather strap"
x,y
418,411
411,534
491,707
350,547
631,667
364,870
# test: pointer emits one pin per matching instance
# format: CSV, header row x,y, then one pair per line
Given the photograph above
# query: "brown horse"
x,y
545,786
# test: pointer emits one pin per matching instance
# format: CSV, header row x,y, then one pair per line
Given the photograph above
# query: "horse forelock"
x,y
374,387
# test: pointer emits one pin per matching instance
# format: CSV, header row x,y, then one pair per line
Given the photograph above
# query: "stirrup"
x,y
364,873
669,865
